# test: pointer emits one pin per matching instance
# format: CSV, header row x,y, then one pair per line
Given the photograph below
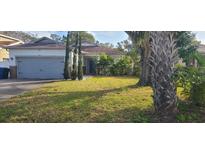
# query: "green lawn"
x,y
97,99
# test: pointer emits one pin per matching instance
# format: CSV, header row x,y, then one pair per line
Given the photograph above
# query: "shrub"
x,y
192,81
198,93
122,67
187,77
103,64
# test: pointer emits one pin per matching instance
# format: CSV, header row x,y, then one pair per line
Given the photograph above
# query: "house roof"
x,y
8,41
98,49
47,43
42,43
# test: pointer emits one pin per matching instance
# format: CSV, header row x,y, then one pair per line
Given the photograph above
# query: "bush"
x,y
187,77
104,63
107,66
122,67
198,94
192,81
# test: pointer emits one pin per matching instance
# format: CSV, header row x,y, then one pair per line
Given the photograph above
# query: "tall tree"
x,y
56,37
67,70
187,46
85,36
75,54
129,49
141,40
80,61
163,57
158,49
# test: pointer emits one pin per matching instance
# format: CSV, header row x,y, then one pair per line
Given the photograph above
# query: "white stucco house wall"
x,y
44,59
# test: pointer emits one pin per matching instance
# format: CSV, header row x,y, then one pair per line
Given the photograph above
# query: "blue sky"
x,y
110,36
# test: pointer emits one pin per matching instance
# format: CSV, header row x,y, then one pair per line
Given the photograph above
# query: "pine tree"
x,y
67,61
80,61
75,53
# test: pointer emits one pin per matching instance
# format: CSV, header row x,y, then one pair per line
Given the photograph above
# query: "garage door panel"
x,y
40,68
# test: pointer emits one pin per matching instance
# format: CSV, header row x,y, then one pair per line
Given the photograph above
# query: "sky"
x,y
109,36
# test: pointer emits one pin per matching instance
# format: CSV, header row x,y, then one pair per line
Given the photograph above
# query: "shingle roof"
x,y
42,43
98,50
47,43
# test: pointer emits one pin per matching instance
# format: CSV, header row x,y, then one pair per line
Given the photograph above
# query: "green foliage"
x,y
124,46
187,45
134,55
107,66
187,117
187,77
200,59
85,36
97,99
122,67
198,93
132,51
104,64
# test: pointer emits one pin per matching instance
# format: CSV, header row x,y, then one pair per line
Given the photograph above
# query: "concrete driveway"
x,y
10,88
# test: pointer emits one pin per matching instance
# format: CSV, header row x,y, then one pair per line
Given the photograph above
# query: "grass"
x,y
97,99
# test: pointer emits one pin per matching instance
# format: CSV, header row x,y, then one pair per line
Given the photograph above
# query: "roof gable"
x,y
44,40
7,40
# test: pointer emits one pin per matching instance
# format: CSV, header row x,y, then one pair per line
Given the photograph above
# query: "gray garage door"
x,y
40,67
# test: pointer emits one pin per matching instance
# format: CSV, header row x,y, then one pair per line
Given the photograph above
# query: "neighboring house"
x,y
44,59
7,41
201,49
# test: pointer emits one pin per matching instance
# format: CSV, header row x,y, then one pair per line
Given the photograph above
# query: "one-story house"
x,y
44,59
201,49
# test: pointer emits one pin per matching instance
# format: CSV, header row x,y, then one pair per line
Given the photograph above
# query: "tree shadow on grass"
x,y
127,115
74,106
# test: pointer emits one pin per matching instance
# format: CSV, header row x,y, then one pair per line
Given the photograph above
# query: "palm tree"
x,y
163,57
158,57
67,71
141,41
80,61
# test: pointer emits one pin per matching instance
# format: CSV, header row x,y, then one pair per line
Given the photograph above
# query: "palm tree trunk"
x,y
141,41
163,58
145,77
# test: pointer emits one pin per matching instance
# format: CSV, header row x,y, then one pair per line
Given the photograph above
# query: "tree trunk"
x,y
67,70
162,60
145,77
75,53
141,41
80,61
